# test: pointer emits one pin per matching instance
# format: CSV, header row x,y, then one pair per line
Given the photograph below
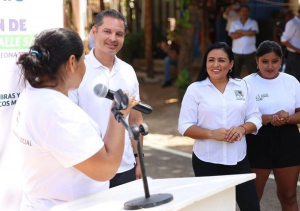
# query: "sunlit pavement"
x,y
168,156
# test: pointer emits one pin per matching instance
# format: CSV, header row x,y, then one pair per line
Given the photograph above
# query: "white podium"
x,y
192,193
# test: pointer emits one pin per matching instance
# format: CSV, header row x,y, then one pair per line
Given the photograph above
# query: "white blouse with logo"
x,y
205,106
273,95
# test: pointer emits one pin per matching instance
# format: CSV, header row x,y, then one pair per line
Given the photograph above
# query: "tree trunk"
x,y
148,38
137,15
129,16
204,28
185,59
160,21
175,9
119,7
167,10
102,7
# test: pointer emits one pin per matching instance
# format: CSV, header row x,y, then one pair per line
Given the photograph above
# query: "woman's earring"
x,y
257,67
230,70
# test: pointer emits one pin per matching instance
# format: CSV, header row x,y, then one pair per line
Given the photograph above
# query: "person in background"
x,y
276,147
231,14
284,16
243,33
291,39
91,40
220,24
104,67
160,50
172,51
64,155
218,111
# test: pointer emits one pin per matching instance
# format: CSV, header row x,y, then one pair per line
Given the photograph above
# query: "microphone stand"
x,y
149,200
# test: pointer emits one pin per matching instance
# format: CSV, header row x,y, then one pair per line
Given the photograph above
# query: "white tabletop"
x,y
185,191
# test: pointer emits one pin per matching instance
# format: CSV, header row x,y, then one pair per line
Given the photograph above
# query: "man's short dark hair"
x,y
112,13
245,6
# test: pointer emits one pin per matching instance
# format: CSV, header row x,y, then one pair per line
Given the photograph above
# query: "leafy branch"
x,y
182,80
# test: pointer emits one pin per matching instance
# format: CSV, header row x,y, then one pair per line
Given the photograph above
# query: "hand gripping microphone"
x,y
101,90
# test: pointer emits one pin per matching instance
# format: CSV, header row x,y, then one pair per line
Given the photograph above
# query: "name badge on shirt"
x,y
239,95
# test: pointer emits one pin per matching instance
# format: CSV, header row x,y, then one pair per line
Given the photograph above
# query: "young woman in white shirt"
x,y
64,155
276,147
217,111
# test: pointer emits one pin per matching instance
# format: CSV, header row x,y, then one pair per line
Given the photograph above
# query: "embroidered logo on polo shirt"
x,y
260,97
239,95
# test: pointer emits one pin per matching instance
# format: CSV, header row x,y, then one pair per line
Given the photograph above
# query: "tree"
x,y
204,27
188,33
137,15
129,15
102,7
148,38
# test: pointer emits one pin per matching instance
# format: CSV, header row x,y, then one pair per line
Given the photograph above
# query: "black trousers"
x,y
246,195
292,65
122,178
244,59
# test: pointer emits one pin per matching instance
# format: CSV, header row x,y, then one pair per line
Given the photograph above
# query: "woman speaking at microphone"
x,y
65,157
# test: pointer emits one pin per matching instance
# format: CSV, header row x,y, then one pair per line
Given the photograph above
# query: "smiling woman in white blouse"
x,y
217,111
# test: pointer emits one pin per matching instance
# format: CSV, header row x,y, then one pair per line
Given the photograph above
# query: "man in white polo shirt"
x,y
104,67
243,33
291,39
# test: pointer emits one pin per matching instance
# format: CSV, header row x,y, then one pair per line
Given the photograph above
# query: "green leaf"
x,y
181,4
183,80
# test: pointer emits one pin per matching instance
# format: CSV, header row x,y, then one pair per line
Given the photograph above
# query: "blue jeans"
x,y
168,63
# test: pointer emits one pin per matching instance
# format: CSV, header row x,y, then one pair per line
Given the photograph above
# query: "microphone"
x,y
101,90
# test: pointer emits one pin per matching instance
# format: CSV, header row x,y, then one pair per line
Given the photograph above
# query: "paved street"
x,y
175,161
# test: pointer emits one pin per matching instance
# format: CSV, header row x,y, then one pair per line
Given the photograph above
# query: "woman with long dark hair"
x,y
218,111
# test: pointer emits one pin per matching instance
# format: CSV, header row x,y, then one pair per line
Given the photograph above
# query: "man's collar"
x,y
96,63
